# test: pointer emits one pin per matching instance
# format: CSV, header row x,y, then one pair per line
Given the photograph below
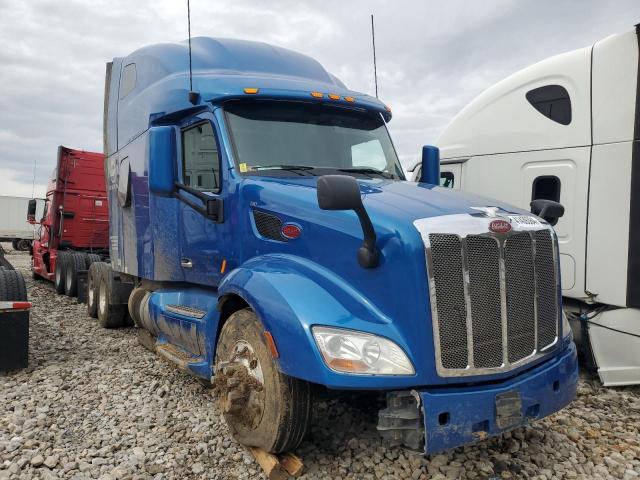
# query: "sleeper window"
x,y
128,80
553,102
201,162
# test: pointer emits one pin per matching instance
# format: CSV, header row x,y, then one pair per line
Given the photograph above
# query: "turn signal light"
x,y
317,94
251,91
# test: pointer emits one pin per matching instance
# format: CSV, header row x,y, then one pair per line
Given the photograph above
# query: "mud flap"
x,y
402,423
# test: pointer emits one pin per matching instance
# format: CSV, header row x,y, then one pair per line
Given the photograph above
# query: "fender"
x,y
290,294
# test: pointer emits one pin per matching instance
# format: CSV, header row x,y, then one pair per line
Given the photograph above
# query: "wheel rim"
x,y
102,298
90,293
58,275
240,383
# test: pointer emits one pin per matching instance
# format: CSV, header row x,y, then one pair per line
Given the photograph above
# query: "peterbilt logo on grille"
x,y
500,226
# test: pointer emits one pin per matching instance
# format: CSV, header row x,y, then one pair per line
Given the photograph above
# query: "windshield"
x,y
298,138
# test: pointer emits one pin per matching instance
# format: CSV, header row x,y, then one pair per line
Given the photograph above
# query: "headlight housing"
x,y
351,351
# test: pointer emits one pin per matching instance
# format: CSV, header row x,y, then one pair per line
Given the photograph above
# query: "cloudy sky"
x,y
433,57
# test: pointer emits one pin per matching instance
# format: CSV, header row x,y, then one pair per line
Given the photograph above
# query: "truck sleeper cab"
x,y
261,231
72,220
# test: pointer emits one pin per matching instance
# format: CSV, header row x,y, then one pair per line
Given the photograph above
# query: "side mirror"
x,y
548,209
162,154
31,211
342,192
430,165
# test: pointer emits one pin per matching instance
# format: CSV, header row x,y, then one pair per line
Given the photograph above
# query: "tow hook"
x,y
401,423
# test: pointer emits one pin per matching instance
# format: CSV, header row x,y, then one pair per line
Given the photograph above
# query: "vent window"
x,y
553,102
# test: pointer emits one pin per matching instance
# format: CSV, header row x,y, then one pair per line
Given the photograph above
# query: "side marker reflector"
x,y
268,338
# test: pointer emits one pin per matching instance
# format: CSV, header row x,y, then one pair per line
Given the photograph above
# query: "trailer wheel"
x,y
12,286
93,275
61,267
262,406
109,316
74,263
22,245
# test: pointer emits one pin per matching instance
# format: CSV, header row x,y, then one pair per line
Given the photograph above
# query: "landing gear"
x,y
262,406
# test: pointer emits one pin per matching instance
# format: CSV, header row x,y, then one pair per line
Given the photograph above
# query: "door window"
x,y
201,160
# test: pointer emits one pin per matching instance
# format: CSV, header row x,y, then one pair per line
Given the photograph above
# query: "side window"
x,y
546,187
552,101
127,80
201,162
447,179
368,154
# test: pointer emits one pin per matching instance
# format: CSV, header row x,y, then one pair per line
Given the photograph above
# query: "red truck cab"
x,y
75,222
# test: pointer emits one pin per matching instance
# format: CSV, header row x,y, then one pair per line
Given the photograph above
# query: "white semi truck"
x,y
14,227
568,129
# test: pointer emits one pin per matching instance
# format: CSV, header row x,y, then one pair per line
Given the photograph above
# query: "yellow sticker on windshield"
x,y
243,168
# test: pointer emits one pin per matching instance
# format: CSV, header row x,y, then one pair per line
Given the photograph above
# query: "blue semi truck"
x,y
264,239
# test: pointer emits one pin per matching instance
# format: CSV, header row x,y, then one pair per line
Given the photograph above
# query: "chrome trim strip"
x,y
186,311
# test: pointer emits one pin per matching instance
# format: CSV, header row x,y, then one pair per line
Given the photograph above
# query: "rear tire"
x,y
95,271
12,286
109,316
23,245
60,269
74,263
263,407
91,258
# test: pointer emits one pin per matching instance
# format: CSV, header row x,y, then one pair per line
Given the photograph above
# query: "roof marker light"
x,y
251,91
333,96
317,94
350,99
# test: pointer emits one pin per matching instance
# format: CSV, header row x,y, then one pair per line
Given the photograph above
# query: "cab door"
x,y
200,189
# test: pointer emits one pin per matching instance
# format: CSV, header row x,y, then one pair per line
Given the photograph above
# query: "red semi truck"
x,y
74,229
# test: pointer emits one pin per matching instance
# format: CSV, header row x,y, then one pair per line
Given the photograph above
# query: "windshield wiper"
x,y
366,171
288,168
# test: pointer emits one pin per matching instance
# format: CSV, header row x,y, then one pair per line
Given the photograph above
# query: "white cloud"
x,y
433,57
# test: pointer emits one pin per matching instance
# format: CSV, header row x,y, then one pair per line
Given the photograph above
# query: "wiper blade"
x,y
366,171
281,167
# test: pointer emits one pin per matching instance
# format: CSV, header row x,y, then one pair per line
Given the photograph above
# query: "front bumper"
x,y
455,416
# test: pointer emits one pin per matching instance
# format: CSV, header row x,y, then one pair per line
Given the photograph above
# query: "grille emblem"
x,y
500,226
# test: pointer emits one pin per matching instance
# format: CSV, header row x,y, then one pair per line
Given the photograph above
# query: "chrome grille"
x,y
494,297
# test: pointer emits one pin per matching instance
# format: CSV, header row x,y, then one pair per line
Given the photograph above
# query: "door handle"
x,y
186,262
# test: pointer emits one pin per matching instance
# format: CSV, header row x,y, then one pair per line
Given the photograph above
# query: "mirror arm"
x,y
368,255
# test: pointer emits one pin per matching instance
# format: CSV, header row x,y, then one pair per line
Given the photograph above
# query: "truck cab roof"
x,y
154,81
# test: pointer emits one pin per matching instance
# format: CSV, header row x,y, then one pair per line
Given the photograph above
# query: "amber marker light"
x,y
268,338
317,94
350,99
333,96
251,91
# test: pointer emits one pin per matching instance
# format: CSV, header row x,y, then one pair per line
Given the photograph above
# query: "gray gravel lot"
x,y
95,404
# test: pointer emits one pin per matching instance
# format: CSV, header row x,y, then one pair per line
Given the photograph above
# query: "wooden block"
x,y
269,463
292,464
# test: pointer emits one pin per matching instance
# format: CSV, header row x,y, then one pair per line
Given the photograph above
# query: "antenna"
x,y
193,96
375,69
33,184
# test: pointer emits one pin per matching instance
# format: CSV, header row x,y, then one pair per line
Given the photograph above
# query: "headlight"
x,y
350,351
566,327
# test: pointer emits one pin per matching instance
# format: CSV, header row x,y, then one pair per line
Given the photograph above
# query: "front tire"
x,y
263,407
60,268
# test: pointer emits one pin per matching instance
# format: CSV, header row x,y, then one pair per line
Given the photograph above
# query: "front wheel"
x,y
263,407
60,268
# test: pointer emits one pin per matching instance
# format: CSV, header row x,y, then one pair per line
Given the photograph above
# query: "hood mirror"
x,y
430,165
342,192
548,209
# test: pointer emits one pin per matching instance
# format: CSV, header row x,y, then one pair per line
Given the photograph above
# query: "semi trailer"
x,y
263,238
568,129
13,226
72,230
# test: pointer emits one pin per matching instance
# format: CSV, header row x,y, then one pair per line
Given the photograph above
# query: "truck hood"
x,y
386,201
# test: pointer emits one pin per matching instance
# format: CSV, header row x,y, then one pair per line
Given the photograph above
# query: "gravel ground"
x,y
95,404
